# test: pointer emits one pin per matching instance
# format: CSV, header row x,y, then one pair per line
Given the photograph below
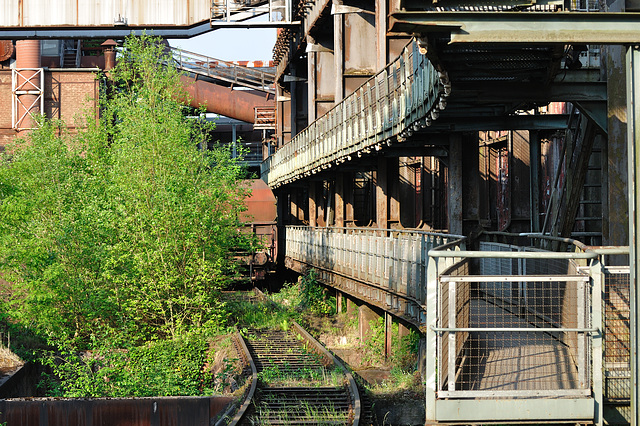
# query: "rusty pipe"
x,y
238,104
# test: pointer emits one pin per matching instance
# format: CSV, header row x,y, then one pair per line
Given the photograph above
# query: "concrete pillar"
x,y
534,170
381,32
338,302
321,207
419,203
365,316
313,208
470,184
339,200
293,206
454,197
351,306
388,334
403,330
349,219
393,183
311,82
615,224
382,202
338,53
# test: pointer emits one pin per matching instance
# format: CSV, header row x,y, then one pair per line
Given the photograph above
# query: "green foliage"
x,y
170,367
125,230
260,314
403,349
307,295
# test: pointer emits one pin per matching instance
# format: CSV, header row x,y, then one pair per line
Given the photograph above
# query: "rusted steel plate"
x,y
120,411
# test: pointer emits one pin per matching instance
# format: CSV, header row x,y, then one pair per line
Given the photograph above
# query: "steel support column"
x,y
311,83
633,144
534,169
455,184
388,334
338,53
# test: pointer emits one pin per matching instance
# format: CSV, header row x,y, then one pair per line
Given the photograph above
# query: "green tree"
x,y
125,229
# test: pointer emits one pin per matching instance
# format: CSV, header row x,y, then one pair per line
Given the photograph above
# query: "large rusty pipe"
x,y
238,104
27,56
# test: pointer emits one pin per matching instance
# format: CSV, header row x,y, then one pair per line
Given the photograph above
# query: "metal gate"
x,y
514,335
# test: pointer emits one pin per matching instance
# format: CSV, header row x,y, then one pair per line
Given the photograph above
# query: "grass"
x,y
275,375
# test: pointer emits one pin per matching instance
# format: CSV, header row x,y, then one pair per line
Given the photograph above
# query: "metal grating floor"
x,y
514,360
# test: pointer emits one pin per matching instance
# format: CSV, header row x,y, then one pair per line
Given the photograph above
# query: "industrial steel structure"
x,y
440,162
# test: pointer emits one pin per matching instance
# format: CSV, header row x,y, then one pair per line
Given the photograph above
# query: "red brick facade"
x,y
67,94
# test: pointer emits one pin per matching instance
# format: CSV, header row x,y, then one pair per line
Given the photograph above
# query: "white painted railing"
x,y
393,260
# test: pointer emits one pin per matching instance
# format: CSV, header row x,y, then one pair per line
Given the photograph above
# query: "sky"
x,y
239,44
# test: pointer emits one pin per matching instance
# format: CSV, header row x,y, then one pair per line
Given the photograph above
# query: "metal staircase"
x,y
224,71
70,53
577,201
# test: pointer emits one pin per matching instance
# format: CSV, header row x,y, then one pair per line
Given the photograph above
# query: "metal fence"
x,y
514,329
517,329
389,265
237,75
406,94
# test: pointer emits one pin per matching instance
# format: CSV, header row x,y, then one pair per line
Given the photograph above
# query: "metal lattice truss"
x,y
230,12
26,81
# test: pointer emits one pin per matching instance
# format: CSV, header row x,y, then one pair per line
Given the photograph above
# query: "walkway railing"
x,y
385,267
249,77
518,328
406,95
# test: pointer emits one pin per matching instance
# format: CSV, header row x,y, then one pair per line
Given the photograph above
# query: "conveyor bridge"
x,y
406,95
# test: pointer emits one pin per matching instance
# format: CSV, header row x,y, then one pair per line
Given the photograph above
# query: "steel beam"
x,y
21,33
523,27
526,92
511,122
633,146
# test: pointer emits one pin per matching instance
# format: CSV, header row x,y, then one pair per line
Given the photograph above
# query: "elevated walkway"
x,y
515,331
240,92
226,72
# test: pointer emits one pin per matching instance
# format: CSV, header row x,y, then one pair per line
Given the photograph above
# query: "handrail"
x,y
252,78
513,254
388,230
601,250
404,96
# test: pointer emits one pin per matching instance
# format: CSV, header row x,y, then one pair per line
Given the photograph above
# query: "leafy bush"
x,y
124,230
169,367
307,295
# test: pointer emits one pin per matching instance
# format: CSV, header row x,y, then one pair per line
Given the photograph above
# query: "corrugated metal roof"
x,y
29,13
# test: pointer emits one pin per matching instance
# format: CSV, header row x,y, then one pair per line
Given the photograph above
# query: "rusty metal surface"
x,y
6,49
261,205
238,104
117,411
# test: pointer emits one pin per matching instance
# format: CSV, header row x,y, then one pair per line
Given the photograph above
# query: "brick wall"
x,y
67,94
